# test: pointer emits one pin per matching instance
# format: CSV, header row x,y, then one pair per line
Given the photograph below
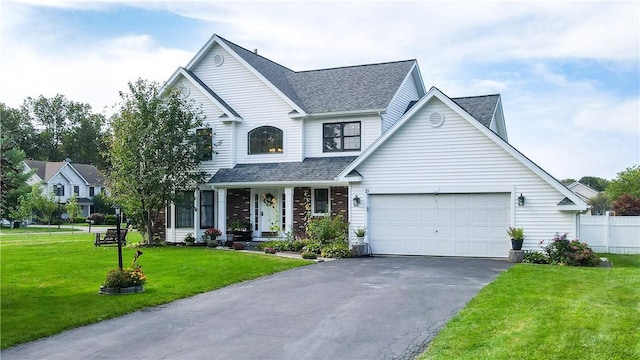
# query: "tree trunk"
x,y
149,225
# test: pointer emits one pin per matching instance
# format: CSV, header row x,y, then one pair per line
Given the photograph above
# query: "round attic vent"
x,y
184,90
218,60
436,119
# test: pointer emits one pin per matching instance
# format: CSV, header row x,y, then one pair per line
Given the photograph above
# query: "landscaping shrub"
x,y
327,230
283,245
313,246
336,250
564,252
80,220
127,277
309,255
110,220
98,218
535,257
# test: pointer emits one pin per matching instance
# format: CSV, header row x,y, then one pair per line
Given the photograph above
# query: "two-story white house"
x,y
63,179
423,172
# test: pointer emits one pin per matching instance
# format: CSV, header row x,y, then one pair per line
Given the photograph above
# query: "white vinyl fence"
x,y
611,234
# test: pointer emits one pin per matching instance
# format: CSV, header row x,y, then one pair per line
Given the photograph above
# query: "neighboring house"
x,y
424,173
64,179
585,192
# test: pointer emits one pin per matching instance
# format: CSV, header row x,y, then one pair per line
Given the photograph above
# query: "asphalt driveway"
x,y
367,308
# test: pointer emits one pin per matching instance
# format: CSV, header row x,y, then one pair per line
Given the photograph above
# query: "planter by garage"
x,y
516,244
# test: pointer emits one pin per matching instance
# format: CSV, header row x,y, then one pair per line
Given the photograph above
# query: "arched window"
x,y
265,140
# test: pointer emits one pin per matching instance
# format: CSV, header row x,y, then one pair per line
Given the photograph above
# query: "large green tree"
x,y
65,129
627,182
153,153
595,182
13,180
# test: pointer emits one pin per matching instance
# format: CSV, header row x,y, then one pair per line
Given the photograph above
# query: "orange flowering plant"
x,y
126,277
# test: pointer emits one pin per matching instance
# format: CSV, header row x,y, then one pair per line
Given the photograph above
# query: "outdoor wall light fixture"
x,y
356,201
520,200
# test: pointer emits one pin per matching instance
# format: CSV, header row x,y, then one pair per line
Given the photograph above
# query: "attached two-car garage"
x,y
440,224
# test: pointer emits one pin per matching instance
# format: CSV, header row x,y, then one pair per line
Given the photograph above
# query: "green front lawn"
x,y
50,282
35,229
549,312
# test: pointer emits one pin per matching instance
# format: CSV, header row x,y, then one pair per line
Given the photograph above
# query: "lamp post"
x,y
58,191
119,240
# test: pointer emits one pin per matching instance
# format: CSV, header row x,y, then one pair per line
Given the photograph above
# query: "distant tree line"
x,y
53,129
47,129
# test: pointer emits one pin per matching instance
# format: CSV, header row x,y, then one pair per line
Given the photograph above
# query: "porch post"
x,y
288,210
222,212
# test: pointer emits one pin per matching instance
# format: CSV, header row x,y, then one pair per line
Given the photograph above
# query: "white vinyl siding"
x,y
398,105
313,142
458,158
255,102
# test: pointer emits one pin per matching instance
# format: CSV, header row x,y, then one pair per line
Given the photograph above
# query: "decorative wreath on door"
x,y
269,200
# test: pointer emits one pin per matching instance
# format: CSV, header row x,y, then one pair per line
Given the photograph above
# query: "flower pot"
x,y
516,244
360,240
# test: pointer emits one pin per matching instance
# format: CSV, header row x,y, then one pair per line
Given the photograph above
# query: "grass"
x,y
32,229
50,282
549,312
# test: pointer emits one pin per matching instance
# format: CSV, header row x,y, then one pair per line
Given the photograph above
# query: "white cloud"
x,y
552,117
607,116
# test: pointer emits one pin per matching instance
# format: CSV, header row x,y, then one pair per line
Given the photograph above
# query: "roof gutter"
x,y
378,112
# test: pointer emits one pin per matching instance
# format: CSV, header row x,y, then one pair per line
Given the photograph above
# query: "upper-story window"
x,y
341,136
265,140
204,144
58,190
76,190
92,191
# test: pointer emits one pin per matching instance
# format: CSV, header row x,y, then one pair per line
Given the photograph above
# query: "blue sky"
x,y
568,72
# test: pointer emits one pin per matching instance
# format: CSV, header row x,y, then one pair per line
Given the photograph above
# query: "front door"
x,y
269,207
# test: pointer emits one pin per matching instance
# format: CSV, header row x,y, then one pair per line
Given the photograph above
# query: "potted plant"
x,y
189,239
240,229
360,233
212,236
517,237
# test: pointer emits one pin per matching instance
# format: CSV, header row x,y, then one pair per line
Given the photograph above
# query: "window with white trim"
x,y
320,201
184,209
204,144
265,140
343,136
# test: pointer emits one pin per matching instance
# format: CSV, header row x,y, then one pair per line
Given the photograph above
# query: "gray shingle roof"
x,y
480,107
351,88
311,169
363,87
47,169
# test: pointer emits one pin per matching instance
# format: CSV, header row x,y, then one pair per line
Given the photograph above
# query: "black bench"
x,y
111,237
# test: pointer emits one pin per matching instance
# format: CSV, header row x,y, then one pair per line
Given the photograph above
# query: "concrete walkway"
x,y
366,308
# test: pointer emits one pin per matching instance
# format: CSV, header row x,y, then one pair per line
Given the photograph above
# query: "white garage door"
x,y
442,224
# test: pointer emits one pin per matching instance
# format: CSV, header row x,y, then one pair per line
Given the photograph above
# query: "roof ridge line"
x,y
254,53
355,66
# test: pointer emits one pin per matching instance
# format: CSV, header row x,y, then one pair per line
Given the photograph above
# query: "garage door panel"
x,y
444,224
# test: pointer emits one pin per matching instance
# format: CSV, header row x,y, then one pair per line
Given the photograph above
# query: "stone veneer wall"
x,y
338,196
239,205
